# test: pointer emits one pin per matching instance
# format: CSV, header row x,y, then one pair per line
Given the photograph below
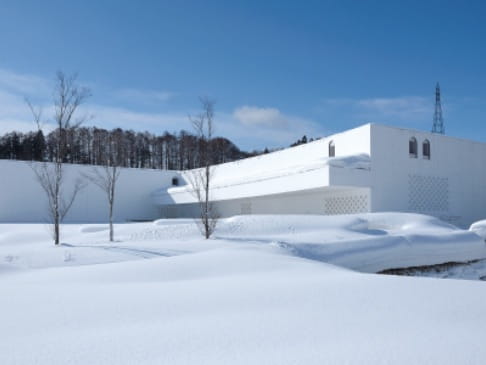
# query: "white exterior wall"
x,y
451,185
296,180
23,200
326,201
352,142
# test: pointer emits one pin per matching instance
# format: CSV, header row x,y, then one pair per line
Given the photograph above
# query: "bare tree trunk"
x,y
106,177
114,178
200,179
67,98
57,188
111,202
207,217
56,230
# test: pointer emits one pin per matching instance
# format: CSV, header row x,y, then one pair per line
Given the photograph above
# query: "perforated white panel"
x,y
428,193
347,204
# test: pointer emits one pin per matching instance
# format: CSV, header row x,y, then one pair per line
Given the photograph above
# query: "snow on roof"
x,y
276,172
225,175
271,176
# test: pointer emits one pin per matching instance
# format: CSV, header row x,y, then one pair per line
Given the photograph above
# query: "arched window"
x,y
412,147
332,149
426,149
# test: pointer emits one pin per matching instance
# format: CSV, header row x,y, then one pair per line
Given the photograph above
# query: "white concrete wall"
x,y
349,177
458,164
351,142
316,201
23,200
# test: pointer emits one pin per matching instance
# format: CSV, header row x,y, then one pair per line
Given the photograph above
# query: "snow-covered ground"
x,y
265,290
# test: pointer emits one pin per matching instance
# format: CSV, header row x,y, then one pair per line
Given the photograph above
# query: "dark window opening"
x,y
175,181
332,149
426,149
412,147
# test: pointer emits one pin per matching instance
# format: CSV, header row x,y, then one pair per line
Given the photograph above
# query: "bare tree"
x,y
106,176
200,179
67,97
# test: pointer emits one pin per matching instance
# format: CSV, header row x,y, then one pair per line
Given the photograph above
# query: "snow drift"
x,y
369,242
249,296
479,228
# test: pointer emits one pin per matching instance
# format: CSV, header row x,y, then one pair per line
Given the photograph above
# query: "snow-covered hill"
x,y
265,290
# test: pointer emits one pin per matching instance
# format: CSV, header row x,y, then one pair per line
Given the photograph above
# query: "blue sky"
x,y
277,69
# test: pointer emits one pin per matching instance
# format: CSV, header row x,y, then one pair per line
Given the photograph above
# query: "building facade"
x,y
372,168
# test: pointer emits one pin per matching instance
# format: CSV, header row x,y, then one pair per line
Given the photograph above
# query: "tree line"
x,y
91,145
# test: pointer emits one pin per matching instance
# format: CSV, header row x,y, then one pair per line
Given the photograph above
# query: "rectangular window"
x,y
332,149
426,150
412,147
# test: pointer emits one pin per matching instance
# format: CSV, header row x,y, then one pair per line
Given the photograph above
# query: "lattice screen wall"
x,y
428,193
347,204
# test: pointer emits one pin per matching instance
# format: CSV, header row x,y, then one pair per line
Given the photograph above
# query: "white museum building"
x,y
372,168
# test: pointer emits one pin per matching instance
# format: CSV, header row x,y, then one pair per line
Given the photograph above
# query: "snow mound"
x,y
258,293
171,222
360,161
479,228
92,229
237,305
369,242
